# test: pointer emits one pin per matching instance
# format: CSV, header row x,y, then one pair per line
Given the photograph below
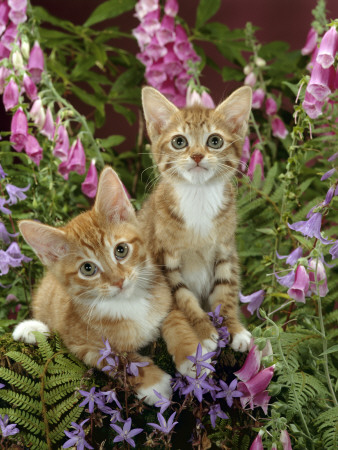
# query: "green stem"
x,y
80,118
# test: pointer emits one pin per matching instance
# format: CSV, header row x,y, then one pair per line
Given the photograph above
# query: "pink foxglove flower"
x,y
317,271
172,65
171,8
33,149
11,95
300,287
250,79
256,160
89,186
9,36
4,10
278,128
270,106
144,7
311,42
155,50
182,46
30,88
156,75
257,444
48,128
285,440
258,98
328,48
193,97
37,113
207,101
19,130
321,82
151,22
166,33
312,106
61,148
36,63
76,160
251,365
17,13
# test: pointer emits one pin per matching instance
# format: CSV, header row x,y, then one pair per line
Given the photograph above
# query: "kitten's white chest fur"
x,y
200,204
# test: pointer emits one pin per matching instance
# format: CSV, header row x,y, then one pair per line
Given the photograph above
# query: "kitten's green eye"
x,y
88,269
121,251
215,141
179,142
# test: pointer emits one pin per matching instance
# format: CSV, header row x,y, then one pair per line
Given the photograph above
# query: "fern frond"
x,y
27,363
270,179
54,415
21,401
23,418
34,443
57,380
327,423
44,346
58,432
54,395
25,384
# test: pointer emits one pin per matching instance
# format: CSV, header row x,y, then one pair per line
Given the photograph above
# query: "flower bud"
x,y
30,88
89,186
256,160
25,47
247,69
17,60
300,286
278,128
37,113
260,62
311,42
318,272
258,98
250,79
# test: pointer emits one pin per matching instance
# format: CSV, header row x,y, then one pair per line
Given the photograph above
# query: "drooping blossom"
x,y
312,106
245,154
30,88
293,257
254,300
15,193
145,7
258,98
3,209
229,392
126,434
214,412
165,426
33,149
278,128
61,148
194,98
9,37
328,174
287,280
328,48
333,250
19,130
48,128
5,235
37,113
3,174
17,60
15,255
321,82
311,227
317,274
171,8
270,106
256,160
250,79
11,95
311,42
89,186
300,287
36,63
17,13
7,429
257,444
77,437
4,10
285,440
76,161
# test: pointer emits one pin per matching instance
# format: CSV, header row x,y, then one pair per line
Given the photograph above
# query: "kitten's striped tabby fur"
x,y
190,218
101,283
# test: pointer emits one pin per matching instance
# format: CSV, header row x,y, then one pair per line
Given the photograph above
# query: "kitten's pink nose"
x,y
119,283
197,157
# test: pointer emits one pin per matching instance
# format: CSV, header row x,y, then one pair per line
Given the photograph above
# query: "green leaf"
x,y
269,231
108,10
293,87
231,74
112,141
90,99
330,350
205,10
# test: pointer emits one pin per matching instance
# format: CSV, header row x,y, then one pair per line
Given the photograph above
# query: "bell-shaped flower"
x,y
329,196
254,391
4,235
155,50
156,75
144,7
36,63
278,128
312,62
251,365
300,287
37,113
310,228
3,174
171,8
321,82
5,210
207,101
312,106
250,79
17,60
172,65
48,128
245,154
317,276
287,280
19,130
285,440
257,444
15,193
182,46
9,36
17,13
76,161
311,42
16,257
4,73
4,10
328,48
293,257
258,98
270,106
61,148
11,95
334,250
328,174
4,52
166,33
89,186
30,88
151,22
33,149
254,300
256,160
181,82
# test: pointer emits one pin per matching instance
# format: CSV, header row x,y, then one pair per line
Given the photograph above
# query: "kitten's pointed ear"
x,y
112,202
236,110
157,111
50,244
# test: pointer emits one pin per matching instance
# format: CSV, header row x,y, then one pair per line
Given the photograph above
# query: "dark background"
x,y
285,20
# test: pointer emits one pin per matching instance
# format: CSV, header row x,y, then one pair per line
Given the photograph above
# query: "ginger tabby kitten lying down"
x,y
190,218
101,283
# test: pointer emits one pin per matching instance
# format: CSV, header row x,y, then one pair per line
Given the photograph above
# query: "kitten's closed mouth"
x,y
197,168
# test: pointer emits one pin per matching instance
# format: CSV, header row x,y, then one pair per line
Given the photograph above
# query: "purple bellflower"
x,y
104,352
229,392
200,360
300,287
2,386
287,280
333,250
7,429
15,255
89,186
15,193
3,209
126,434
11,95
254,300
293,257
164,427
4,235
111,397
3,174
310,228
328,174
163,402
198,386
217,319
328,48
77,437
214,412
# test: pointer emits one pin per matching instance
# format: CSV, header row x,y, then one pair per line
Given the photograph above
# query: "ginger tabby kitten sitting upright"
x,y
190,218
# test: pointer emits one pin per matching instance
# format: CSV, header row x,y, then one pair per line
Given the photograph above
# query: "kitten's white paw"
x,y
210,345
162,387
188,368
241,341
24,330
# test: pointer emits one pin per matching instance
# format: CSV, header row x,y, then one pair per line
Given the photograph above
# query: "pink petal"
x,y
89,186
251,365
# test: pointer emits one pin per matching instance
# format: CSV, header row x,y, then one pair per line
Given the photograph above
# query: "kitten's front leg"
x,y
189,304
225,292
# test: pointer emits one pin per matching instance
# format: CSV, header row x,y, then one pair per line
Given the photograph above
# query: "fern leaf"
x,y
58,432
55,414
35,443
44,347
327,423
54,395
25,384
22,401
24,418
56,380
270,179
27,363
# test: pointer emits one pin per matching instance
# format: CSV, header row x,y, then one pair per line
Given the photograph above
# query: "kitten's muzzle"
x,y
197,157
119,283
